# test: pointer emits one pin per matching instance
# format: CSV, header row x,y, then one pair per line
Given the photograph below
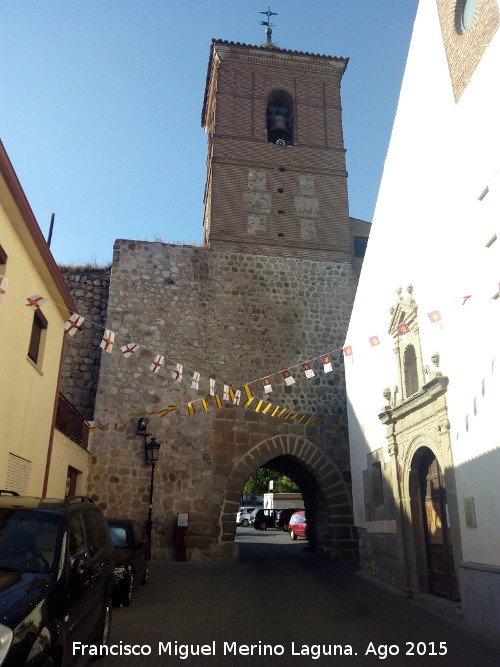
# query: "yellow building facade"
x,y
35,458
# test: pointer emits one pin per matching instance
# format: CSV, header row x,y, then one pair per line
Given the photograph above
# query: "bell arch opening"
x,y
279,118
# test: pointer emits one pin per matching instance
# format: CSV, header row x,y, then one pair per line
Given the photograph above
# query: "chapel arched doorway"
x,y
432,526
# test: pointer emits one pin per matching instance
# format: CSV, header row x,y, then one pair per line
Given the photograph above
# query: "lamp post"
x,y
151,453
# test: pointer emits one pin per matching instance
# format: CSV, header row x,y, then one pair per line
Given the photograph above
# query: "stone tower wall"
x,y
82,354
229,315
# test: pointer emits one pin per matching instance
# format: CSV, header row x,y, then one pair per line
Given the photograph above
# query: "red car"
x,y
297,526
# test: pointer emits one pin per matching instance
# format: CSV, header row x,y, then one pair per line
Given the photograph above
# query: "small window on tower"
x,y
360,243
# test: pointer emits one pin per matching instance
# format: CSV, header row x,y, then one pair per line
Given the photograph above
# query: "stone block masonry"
x,y
235,317
82,354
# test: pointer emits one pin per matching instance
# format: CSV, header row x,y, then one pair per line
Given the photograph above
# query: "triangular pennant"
x,y
249,396
162,413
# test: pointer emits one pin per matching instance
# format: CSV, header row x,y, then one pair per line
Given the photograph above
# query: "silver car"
x,y
243,515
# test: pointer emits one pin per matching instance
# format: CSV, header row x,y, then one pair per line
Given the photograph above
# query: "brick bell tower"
x,y
276,172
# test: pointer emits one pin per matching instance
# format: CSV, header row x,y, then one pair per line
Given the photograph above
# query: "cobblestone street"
x,y
291,600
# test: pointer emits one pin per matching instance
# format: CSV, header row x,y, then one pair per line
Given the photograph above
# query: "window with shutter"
x,y
18,474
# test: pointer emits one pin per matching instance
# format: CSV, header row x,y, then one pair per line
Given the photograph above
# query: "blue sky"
x,y
101,105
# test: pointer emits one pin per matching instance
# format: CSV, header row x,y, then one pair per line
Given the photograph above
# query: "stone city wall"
x,y
227,315
82,354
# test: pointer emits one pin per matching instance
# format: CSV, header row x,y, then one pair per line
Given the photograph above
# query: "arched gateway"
x,y
325,491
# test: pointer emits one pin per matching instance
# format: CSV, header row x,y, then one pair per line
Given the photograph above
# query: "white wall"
x,y
430,230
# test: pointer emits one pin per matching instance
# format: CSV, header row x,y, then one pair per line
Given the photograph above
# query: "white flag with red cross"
x,y
177,374
195,383
158,362
129,349
107,341
212,387
73,323
35,302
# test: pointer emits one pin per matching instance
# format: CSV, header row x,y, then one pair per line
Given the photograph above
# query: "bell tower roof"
x,y
342,62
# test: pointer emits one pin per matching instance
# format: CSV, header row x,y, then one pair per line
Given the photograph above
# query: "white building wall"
x,y
430,229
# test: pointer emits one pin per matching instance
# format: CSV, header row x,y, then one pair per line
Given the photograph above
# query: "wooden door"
x,y
441,569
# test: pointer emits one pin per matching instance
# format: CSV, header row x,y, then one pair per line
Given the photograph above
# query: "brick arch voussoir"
x,y
310,456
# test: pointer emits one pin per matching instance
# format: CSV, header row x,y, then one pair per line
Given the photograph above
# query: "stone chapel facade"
x,y
272,287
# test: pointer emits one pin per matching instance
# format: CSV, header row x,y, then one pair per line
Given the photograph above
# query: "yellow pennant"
x,y
258,406
273,414
266,409
162,413
249,395
191,410
204,404
218,401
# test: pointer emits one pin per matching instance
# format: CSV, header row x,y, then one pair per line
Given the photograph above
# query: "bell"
x,y
278,124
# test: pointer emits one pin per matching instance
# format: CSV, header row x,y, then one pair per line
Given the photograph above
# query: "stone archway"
x,y
326,493
415,464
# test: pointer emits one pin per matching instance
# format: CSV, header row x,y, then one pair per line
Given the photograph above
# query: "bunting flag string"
x,y
75,321
260,407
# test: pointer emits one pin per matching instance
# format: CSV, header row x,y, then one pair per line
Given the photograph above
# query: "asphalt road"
x,y
281,605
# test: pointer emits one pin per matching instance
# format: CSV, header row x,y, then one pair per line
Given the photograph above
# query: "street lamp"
x,y
151,453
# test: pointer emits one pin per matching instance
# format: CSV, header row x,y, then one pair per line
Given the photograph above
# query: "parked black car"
x,y
131,557
262,519
284,517
56,579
